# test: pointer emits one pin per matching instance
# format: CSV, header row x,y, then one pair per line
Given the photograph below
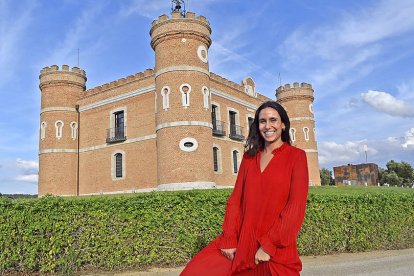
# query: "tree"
x,y
397,174
326,177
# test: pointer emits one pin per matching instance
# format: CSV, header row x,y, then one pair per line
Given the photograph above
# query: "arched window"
x,y
306,133
118,165
206,96
74,127
235,160
59,129
293,134
165,93
185,90
215,159
43,130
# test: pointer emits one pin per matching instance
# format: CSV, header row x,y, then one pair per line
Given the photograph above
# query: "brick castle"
x,y
177,126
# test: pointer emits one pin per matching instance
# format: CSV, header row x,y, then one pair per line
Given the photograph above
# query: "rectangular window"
x,y
250,121
232,123
119,124
214,116
215,159
118,165
235,167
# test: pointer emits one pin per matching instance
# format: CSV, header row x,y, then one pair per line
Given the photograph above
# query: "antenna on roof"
x,y
78,57
178,6
279,79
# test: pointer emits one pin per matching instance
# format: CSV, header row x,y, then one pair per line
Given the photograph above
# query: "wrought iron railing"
x,y
236,132
116,134
219,128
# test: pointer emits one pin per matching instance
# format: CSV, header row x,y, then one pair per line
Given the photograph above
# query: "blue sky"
x,y
358,55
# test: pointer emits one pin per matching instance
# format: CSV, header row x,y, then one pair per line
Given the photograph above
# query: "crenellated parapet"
x,y
169,28
295,92
52,75
123,81
229,83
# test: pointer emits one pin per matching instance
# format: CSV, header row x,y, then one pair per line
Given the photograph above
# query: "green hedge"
x,y
54,234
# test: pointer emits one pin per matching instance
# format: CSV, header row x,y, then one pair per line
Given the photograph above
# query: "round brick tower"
x,y
298,102
58,143
183,108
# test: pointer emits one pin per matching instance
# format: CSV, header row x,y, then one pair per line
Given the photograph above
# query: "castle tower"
x,y
298,102
183,108
59,124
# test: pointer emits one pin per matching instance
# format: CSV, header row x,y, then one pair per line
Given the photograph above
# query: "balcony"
x,y
116,134
219,128
236,133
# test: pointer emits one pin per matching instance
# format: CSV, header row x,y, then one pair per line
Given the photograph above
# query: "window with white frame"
x,y
235,157
293,134
165,93
306,133
43,130
74,128
59,129
185,90
118,165
217,159
206,96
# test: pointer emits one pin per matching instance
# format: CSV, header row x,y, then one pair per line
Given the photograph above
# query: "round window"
x,y
188,144
202,53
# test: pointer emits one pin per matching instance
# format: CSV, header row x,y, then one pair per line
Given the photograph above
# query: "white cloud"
x,y
27,164
388,104
409,139
348,152
31,178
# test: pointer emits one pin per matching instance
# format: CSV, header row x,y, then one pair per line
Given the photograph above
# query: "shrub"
x,y
54,234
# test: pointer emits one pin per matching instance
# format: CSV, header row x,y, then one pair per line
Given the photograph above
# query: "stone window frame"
x,y
206,97
185,96
112,118
59,129
228,118
165,97
292,134
232,160
74,128
113,165
306,133
219,159
43,126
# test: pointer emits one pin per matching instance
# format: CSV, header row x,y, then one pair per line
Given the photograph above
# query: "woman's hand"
x,y
261,256
229,253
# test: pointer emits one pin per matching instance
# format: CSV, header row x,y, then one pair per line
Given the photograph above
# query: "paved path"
x,y
378,263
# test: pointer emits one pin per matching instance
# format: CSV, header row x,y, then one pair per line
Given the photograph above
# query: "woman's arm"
x,y
287,226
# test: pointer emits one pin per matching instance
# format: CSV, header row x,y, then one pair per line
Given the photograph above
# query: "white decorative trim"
x,y
181,68
186,186
74,127
233,99
112,118
185,96
118,98
248,89
155,102
113,165
302,119
102,146
57,151
165,97
311,108
306,133
206,97
57,108
188,140
310,150
184,123
43,130
219,159
146,190
59,129
200,50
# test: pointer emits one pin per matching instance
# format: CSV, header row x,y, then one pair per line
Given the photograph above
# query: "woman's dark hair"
x,y
255,141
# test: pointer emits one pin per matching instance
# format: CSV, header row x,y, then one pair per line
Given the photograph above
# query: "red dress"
x,y
265,209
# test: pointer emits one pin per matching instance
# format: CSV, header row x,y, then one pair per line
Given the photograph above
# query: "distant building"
x,y
177,126
362,174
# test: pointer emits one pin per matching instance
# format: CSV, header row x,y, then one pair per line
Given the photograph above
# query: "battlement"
x,y
177,15
226,82
65,68
107,86
297,91
295,85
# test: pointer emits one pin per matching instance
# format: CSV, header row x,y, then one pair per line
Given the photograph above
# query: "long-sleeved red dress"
x,y
265,209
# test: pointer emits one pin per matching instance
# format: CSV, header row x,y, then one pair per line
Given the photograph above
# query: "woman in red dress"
x,y
266,209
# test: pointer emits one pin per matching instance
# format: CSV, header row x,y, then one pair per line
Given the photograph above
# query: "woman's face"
x,y
270,126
